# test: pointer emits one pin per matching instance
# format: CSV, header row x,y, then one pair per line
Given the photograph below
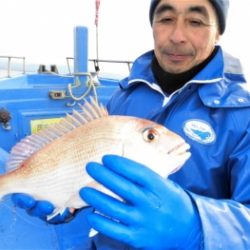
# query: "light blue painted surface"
x,y
26,98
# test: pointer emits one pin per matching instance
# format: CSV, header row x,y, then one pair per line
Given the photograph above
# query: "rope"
x,y
90,86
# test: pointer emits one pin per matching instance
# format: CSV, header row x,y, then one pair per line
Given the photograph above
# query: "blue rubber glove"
x,y
40,209
156,213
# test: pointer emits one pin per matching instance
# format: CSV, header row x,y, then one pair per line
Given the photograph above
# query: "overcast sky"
x,y
42,30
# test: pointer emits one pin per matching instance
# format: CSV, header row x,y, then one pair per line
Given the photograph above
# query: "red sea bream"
x,y
50,165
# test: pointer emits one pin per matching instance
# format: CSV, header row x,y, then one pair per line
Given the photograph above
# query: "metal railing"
x,y
9,60
68,59
96,63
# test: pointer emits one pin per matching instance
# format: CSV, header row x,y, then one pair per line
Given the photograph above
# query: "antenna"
x,y
97,6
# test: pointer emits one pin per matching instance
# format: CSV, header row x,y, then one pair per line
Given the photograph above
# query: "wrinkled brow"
x,y
192,9
199,10
163,8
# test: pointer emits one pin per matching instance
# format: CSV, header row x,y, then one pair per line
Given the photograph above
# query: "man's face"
x,y
185,33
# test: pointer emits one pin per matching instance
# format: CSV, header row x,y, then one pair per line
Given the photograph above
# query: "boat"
x,y
31,98
31,101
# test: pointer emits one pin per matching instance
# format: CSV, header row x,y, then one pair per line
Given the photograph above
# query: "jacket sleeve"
x,y
226,222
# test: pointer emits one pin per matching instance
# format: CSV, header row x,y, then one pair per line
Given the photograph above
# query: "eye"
x,y
196,23
150,135
166,20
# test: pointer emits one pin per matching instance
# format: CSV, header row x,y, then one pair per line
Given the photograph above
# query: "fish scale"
x,y
50,165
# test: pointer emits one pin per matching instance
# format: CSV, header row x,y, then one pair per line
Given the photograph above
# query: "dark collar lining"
x,y
172,82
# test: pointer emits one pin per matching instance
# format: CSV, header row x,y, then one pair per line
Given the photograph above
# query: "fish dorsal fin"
x,y
30,144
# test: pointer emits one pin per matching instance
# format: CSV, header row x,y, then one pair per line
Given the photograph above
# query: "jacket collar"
x,y
222,80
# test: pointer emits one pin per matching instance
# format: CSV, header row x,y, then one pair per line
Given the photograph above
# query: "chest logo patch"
x,y
200,131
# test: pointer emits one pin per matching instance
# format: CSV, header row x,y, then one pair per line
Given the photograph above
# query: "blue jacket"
x,y
212,113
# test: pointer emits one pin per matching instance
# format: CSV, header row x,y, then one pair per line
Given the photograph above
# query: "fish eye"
x,y
150,135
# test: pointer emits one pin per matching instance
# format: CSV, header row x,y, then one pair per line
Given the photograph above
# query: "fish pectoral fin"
x,y
92,233
67,212
60,213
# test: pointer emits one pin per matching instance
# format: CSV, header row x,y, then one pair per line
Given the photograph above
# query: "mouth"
x,y
174,57
180,149
179,154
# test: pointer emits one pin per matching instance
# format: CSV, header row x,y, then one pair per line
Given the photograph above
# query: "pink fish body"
x,y
50,165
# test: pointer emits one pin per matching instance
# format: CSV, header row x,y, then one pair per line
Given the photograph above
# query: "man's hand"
x,y
153,213
41,209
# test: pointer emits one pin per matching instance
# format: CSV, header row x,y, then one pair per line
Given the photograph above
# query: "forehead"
x,y
202,7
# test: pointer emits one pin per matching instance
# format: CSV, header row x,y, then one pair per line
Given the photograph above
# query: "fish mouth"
x,y
180,149
181,153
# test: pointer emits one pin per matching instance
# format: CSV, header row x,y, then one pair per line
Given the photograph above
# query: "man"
x,y
189,84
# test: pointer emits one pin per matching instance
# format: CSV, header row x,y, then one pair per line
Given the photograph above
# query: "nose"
x,y
178,34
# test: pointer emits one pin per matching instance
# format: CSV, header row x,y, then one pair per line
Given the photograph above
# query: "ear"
x,y
217,38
